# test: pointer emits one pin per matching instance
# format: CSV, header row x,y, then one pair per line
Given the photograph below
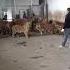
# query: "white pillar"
x,y
44,8
31,6
15,6
9,15
31,3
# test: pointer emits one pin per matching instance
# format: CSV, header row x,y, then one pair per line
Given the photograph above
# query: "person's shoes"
x,y
61,46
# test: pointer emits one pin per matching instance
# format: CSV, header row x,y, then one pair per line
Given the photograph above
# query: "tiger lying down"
x,y
21,28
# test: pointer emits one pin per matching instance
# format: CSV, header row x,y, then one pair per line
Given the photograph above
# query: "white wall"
x,y
24,4
27,2
58,5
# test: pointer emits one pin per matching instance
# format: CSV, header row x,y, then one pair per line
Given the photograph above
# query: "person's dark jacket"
x,y
67,21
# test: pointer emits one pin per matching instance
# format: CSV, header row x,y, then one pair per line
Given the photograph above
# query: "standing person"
x,y
24,14
66,28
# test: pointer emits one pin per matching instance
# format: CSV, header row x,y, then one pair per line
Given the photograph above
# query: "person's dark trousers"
x,y
66,36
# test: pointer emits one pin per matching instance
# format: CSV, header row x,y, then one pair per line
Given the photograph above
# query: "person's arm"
x,y
62,30
66,20
65,23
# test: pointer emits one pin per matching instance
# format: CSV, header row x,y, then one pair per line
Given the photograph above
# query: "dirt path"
x,y
36,53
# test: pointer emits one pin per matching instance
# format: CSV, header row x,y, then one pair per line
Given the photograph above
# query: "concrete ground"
x,y
36,53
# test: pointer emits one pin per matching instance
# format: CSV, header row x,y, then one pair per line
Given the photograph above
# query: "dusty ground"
x,y
36,53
